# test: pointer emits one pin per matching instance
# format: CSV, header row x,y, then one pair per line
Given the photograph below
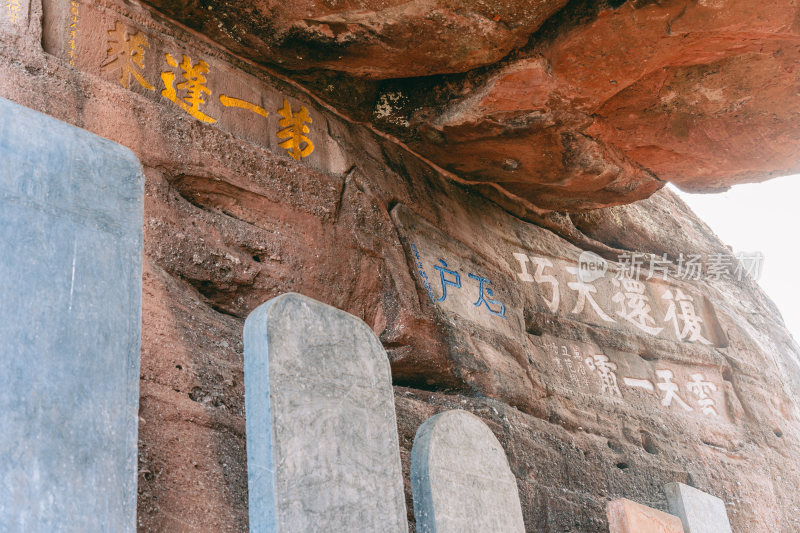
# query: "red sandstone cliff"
x,y
550,107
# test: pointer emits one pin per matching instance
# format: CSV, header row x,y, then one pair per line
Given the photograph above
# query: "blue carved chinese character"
x,y
445,282
486,301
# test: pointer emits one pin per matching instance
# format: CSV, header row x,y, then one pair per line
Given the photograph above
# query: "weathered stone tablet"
x,y
699,511
626,516
322,447
70,319
460,478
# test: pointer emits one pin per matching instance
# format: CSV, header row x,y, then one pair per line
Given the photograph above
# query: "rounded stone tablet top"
x,y
461,441
460,478
315,341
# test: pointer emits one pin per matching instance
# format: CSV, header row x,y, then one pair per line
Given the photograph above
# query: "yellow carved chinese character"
x,y
126,53
14,8
293,131
194,86
227,101
73,31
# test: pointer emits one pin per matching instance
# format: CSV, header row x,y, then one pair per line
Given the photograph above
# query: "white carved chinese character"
x,y
585,291
584,378
639,383
607,372
701,389
570,368
691,322
541,277
671,390
551,347
523,265
634,307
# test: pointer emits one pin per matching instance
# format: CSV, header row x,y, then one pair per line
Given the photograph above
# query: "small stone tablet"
x,y
70,321
625,516
322,447
699,511
460,478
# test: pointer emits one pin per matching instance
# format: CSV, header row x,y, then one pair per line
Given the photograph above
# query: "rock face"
x,y
674,91
371,39
596,390
616,97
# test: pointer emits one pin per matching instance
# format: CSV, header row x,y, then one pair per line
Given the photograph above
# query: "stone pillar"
x,y
699,511
70,320
322,447
460,478
625,516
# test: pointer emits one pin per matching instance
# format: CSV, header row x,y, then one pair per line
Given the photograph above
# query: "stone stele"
x,y
699,511
460,478
625,516
322,447
70,319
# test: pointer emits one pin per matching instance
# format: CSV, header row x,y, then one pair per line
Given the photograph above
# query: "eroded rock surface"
x,y
616,97
232,219
371,39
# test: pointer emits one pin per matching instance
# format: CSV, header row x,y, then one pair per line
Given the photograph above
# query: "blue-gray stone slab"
x,y
322,446
699,511
70,320
460,478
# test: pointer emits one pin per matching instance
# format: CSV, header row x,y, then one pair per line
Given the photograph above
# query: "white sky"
x,y
761,217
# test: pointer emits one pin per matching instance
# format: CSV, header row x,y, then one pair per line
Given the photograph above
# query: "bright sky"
x,y
761,217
